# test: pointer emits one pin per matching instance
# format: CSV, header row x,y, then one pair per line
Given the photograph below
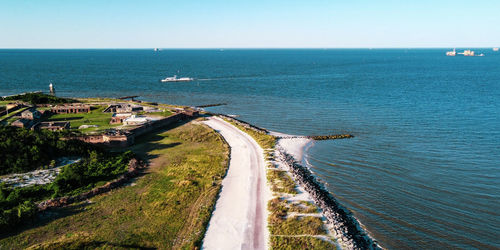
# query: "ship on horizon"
x,y
451,53
466,52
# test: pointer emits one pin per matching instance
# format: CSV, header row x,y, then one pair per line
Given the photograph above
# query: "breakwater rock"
x,y
329,137
211,105
244,124
344,226
134,168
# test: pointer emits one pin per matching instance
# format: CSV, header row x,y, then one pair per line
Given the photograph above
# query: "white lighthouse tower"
x,y
52,89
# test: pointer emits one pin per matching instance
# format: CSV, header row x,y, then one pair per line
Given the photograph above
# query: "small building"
x,y
188,112
136,120
31,114
118,118
123,108
21,123
70,109
53,126
116,138
112,138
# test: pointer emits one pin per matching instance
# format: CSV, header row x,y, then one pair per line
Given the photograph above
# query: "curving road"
x,y
240,217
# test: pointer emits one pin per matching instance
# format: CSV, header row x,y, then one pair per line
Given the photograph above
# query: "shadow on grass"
x,y
151,141
45,217
64,119
93,244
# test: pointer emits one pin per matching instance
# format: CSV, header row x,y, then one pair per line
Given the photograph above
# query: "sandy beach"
x,y
239,220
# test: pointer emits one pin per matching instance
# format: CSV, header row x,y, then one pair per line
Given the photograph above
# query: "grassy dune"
x,y
288,232
168,208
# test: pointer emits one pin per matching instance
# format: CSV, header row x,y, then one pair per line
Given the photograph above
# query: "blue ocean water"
x,y
424,168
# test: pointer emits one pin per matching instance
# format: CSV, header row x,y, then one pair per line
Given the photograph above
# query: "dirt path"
x,y
240,217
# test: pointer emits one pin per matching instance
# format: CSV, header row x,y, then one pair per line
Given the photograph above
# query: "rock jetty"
x,y
342,223
329,137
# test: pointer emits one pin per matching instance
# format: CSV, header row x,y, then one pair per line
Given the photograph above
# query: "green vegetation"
x,y
165,113
288,232
84,175
38,98
281,207
299,225
265,141
167,208
13,113
303,207
18,204
281,182
305,242
95,117
23,150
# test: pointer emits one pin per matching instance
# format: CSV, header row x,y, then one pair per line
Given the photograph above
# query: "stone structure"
x,y
136,120
70,109
342,223
118,118
31,114
53,126
21,123
114,138
188,112
123,108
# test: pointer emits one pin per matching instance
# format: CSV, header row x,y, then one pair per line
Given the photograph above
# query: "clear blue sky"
x,y
248,24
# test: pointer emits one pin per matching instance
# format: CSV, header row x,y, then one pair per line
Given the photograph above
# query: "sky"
x,y
249,24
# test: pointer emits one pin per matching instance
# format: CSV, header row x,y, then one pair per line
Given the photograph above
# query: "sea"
x,y
423,170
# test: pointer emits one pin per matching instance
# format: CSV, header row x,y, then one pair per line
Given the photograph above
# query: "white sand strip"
x,y
240,217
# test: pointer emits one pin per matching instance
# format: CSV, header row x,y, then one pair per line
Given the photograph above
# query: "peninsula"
x,y
131,174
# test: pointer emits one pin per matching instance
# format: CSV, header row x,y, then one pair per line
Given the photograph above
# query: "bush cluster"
x,y
23,150
38,98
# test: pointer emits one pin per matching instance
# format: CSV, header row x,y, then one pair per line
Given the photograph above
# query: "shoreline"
x,y
342,223
289,152
240,212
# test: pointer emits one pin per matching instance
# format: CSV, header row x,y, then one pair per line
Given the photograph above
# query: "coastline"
x,y
240,212
289,155
341,222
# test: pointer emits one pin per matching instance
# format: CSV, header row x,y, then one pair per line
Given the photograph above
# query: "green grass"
x,y
265,141
292,243
165,113
3,103
95,117
167,208
281,182
13,113
303,207
298,225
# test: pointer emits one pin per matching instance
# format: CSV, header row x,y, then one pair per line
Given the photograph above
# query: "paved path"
x,y
240,217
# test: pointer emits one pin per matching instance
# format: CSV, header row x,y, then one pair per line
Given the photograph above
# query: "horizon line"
x,y
236,48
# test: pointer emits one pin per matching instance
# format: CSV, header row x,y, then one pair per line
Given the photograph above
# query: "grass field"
x,y
264,140
95,117
167,208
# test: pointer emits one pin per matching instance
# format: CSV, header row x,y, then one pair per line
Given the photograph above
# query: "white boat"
x,y
451,53
495,49
175,79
